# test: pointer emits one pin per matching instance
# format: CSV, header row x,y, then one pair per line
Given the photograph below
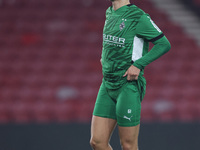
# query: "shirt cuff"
x,y
138,66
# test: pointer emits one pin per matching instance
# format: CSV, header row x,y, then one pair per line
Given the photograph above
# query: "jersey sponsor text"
x,y
114,40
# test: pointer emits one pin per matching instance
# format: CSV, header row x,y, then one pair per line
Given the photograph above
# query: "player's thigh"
x,y
128,107
101,129
105,106
104,117
129,137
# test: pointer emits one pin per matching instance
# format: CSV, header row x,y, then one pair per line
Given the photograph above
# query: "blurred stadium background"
x,y
50,74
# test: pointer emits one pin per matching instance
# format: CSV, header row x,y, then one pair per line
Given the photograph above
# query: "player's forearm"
x,y
161,47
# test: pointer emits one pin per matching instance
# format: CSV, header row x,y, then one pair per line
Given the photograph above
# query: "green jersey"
x,y
126,36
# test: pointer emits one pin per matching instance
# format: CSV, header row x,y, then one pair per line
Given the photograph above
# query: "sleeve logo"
x,y
155,26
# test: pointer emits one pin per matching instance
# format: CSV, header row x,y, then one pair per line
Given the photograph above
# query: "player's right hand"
x,y
132,73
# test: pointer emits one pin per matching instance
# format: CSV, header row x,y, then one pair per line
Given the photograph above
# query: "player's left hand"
x,y
132,73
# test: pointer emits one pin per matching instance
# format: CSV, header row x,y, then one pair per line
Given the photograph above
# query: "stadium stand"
x,y
194,5
50,69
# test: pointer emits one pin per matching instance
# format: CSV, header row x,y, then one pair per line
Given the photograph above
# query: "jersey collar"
x,y
121,9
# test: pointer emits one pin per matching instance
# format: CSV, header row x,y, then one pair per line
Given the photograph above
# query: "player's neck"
x,y
119,3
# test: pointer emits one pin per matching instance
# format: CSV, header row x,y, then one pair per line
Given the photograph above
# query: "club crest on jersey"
x,y
122,26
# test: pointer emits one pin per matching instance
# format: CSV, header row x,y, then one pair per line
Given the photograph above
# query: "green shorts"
x,y
123,104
